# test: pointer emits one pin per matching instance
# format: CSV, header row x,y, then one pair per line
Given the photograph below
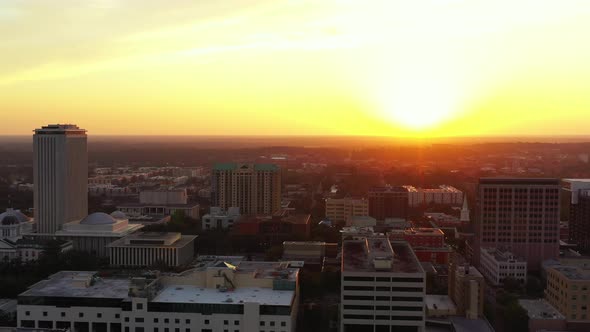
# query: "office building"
x,y
254,188
496,265
521,215
218,218
145,249
383,286
218,296
443,195
568,290
466,288
60,171
339,209
160,203
388,202
579,223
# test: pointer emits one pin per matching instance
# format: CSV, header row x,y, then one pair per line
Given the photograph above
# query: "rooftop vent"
x,y
382,263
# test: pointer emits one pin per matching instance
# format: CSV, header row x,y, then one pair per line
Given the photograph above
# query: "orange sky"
x,y
335,67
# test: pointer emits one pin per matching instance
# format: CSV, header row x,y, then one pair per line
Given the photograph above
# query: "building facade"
x,y
339,209
443,195
388,202
521,215
218,218
254,188
244,296
60,171
568,290
149,248
466,288
579,223
428,243
383,286
496,265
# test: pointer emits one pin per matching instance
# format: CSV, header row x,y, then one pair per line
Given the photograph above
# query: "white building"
x,y
497,265
14,224
339,209
60,171
218,218
149,248
217,297
443,195
96,231
383,286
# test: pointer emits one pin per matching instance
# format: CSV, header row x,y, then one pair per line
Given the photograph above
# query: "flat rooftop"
x,y
154,239
573,272
359,256
70,284
388,189
520,181
195,294
540,309
439,302
503,256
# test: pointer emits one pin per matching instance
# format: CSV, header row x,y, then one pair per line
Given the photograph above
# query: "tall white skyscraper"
x,y
61,176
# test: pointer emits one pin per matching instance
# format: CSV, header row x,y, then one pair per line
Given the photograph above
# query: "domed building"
x,y
14,224
94,232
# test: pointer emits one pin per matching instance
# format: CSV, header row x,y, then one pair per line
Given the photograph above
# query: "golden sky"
x,y
296,67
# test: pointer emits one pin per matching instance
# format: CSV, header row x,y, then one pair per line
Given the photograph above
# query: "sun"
x,y
418,103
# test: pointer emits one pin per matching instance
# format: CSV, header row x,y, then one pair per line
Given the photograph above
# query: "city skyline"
x,y
292,68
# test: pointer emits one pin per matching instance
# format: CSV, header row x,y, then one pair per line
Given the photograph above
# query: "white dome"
x,y
119,215
98,218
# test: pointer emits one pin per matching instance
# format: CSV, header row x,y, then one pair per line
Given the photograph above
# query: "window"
x,y
283,324
44,313
225,322
117,316
177,321
126,319
166,320
272,323
63,314
236,322
139,306
126,328
99,315
139,319
156,329
262,323
80,314
28,313
139,329
206,322
188,321
156,320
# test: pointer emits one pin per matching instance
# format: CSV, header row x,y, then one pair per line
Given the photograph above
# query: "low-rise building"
x,y
383,286
497,265
218,296
218,218
543,316
443,195
150,248
274,229
339,209
440,306
361,221
310,252
568,290
161,203
428,243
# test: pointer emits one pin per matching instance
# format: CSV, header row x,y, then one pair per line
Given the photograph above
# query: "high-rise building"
x,y
579,223
254,188
466,288
60,175
520,215
339,209
383,286
388,202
